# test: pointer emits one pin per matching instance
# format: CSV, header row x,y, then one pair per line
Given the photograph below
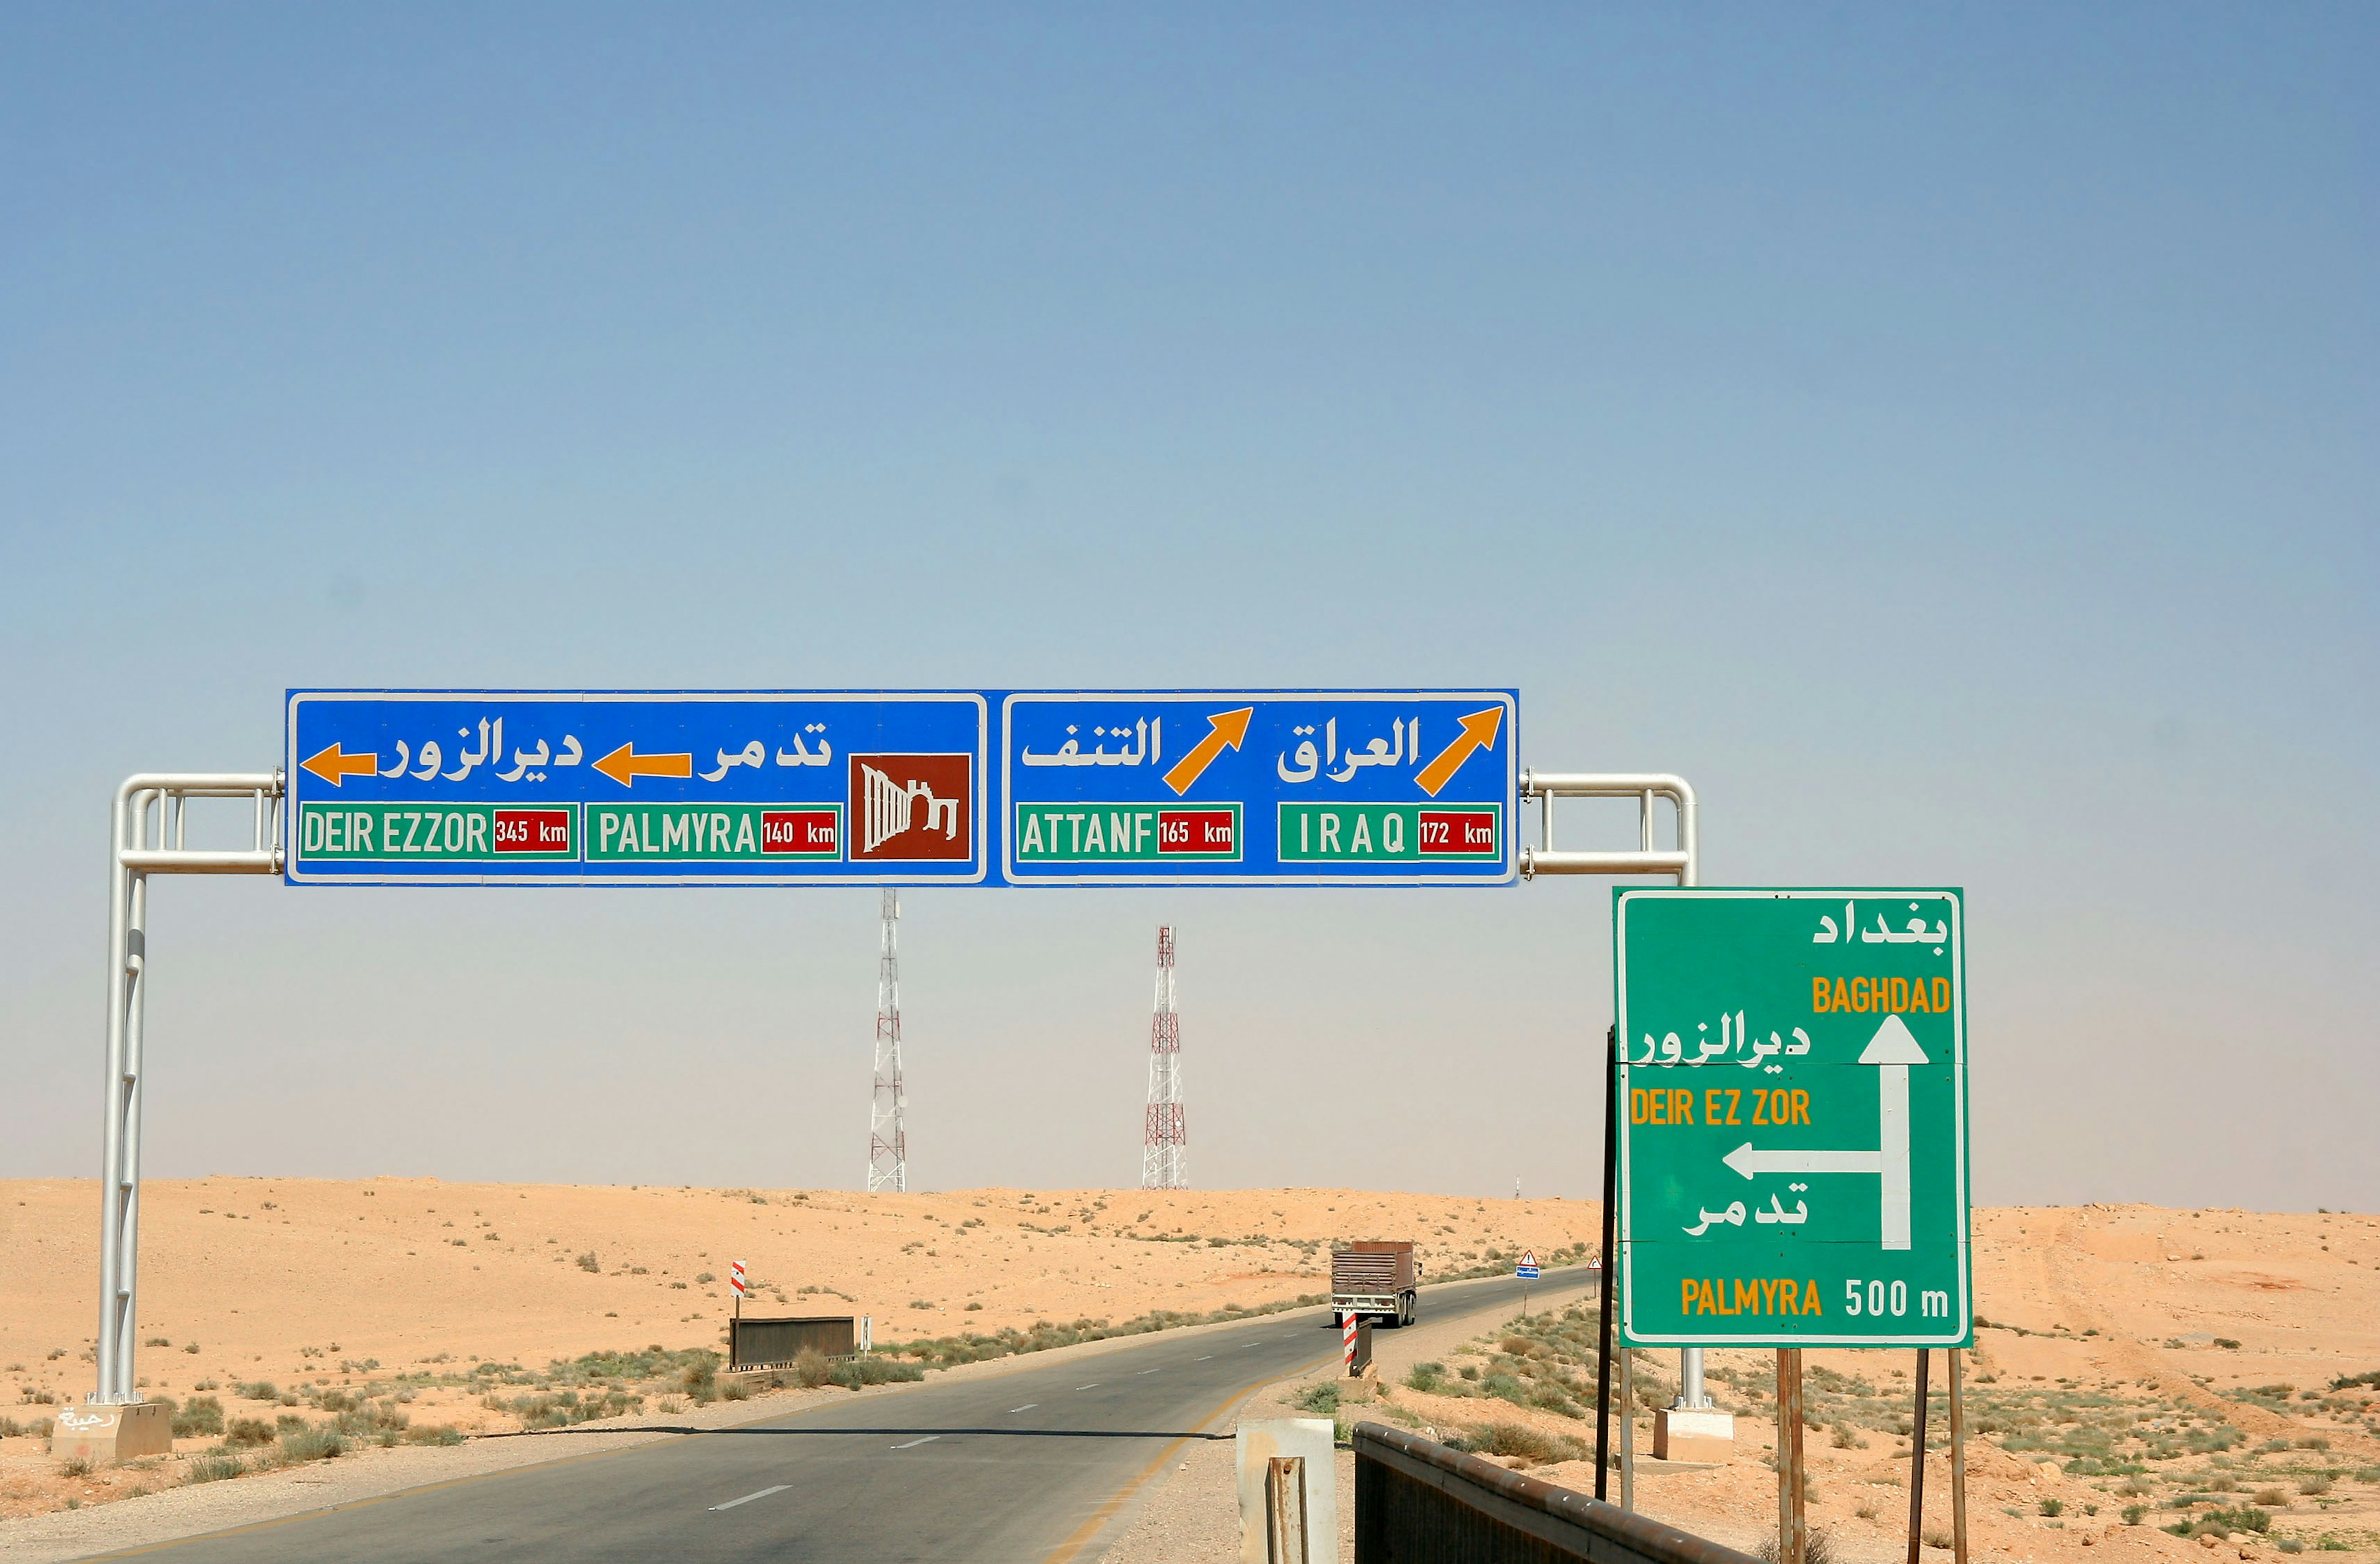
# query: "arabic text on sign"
x,y
1913,932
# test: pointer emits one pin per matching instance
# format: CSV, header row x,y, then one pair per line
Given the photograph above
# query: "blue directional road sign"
x,y
774,787
1271,787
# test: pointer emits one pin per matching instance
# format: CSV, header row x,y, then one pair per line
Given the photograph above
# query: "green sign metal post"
x,y
1793,1165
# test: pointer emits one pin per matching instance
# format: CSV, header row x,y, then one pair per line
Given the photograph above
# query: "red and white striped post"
x,y
1347,1336
736,1281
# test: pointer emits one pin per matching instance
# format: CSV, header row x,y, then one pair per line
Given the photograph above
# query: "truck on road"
x,y
1379,1282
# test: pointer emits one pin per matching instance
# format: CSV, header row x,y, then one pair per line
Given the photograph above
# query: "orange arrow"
x,y
1224,731
623,765
330,766
1479,732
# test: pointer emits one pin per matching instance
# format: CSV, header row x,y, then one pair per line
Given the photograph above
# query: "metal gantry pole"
x,y
123,970
1681,861
131,860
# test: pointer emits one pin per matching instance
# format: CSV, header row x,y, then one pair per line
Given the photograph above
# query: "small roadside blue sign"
x,y
1258,787
579,787
1528,1269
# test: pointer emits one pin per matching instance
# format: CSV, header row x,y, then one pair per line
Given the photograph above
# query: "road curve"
x,y
1031,1465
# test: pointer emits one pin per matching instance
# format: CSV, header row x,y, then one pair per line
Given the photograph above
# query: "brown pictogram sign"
x,y
911,806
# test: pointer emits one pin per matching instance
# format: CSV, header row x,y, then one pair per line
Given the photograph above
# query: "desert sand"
x,y
392,1288
2133,1356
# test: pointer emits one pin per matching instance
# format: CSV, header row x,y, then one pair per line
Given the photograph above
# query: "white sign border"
x,y
980,864
1510,864
1964,1319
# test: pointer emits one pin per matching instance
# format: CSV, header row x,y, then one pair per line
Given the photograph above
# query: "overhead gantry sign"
x,y
842,787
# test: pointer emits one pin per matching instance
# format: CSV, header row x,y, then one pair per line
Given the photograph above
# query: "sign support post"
x,y
1603,1281
1627,1429
1917,1462
1792,1531
1958,1454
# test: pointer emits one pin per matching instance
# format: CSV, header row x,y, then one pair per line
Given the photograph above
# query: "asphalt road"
x,y
1033,1464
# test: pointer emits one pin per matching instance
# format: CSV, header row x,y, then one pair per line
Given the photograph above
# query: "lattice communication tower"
x,y
888,1143
1164,1156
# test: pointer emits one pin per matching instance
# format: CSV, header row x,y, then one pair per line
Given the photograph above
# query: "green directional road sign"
x,y
1793,1117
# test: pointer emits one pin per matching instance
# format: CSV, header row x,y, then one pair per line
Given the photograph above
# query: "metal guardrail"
x,y
1418,1502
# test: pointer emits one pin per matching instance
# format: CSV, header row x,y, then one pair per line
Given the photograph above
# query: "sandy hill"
x,y
336,1282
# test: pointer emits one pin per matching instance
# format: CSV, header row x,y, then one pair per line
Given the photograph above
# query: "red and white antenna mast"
x,y
1164,1156
888,1143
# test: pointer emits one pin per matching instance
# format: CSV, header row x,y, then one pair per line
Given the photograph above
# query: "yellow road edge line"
x,y
1081,1535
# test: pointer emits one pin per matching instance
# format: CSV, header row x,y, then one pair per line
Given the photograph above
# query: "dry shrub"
x,y
1818,1547
311,1444
1519,1442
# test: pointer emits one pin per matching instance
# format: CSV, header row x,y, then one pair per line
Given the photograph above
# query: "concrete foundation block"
x,y
105,1434
1693,1435
1315,1499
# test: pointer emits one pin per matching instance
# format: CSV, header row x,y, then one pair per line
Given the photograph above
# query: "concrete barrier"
x,y
104,1434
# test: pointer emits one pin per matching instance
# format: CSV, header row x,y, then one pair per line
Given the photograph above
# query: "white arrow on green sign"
x,y
1893,1050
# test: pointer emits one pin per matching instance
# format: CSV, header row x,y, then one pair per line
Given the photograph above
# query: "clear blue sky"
x,y
1946,435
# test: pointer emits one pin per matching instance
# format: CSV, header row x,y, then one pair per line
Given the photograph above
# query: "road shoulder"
x,y
373,1474
1192,1515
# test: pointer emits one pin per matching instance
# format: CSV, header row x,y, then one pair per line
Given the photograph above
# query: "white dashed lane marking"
x,y
915,1443
748,1498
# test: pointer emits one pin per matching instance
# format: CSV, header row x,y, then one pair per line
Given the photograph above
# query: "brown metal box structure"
x,y
775,1344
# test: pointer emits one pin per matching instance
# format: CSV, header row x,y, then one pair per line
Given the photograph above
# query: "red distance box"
x,y
532,831
1194,830
1462,832
809,832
